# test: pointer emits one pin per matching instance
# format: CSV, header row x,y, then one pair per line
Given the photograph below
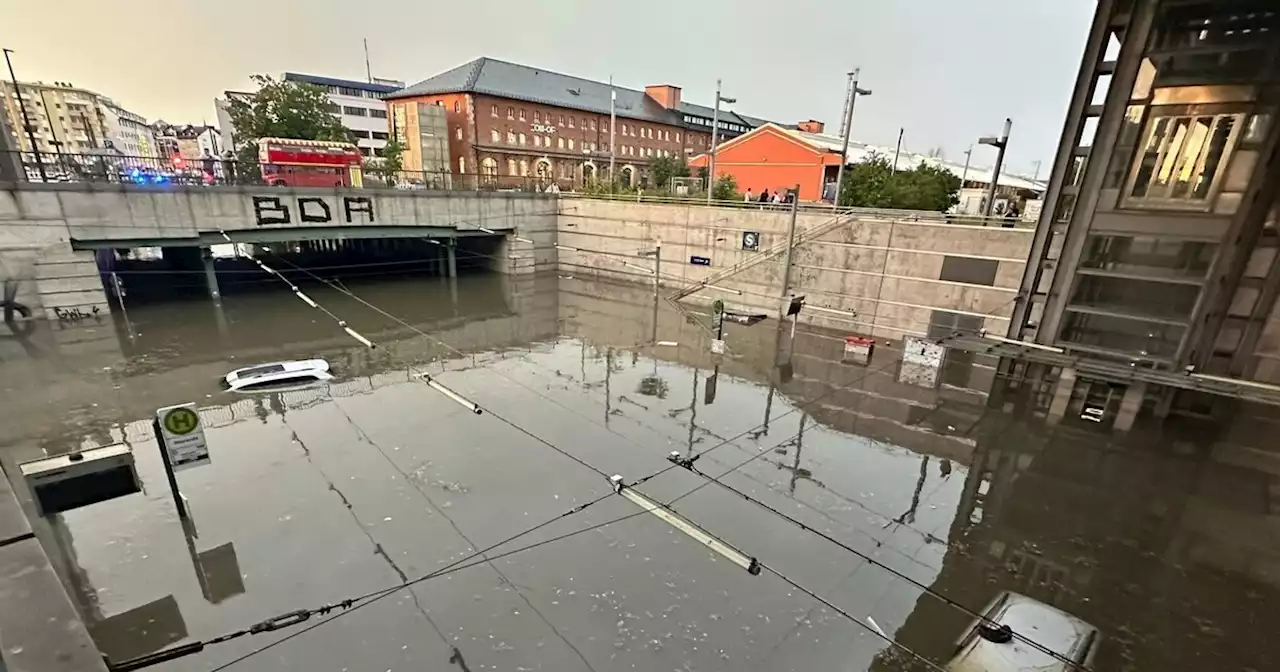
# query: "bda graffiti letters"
x,y
273,211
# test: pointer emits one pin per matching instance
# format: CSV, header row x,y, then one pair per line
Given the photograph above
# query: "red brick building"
x,y
506,119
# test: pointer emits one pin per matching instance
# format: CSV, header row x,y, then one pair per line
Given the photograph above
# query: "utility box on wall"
x,y
69,481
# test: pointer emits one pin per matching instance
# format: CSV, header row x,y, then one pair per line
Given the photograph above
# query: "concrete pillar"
x,y
453,259
1062,395
1130,404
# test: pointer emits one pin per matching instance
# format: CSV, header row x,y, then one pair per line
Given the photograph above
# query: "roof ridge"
x,y
476,66
561,74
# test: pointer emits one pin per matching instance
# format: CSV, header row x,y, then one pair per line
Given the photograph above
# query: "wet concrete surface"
x,y
1162,540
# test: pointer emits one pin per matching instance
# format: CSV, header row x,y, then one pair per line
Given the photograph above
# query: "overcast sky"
x,y
945,70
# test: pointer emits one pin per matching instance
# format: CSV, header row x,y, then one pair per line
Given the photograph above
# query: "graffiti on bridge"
x,y
77,315
272,210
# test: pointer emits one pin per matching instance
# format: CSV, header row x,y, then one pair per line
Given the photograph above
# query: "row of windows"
x,y
571,121
725,125
354,93
366,135
514,138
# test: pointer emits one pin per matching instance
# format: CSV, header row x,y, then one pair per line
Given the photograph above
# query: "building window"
x,y
522,138
347,91
1147,257
333,109
462,164
493,110
511,112
593,124
511,166
571,122
378,113
457,132
571,144
524,168
1180,160
559,143
604,127
489,168
537,141
537,117
677,136
522,114
355,111
624,129
511,137
546,141
494,136
562,120
378,135
457,107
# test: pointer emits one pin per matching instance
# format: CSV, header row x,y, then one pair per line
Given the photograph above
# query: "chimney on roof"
x,y
811,126
667,96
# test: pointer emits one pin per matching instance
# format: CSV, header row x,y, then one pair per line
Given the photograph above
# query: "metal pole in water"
x,y
180,505
791,245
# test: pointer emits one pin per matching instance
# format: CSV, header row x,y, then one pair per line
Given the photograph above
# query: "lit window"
x,y
677,136
462,164
511,166
559,143
537,141
511,137
546,141
522,138
494,136
522,114
524,168
570,144
1180,159
457,133
493,111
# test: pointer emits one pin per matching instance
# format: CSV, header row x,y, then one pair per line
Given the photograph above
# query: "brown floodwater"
x,y
1164,539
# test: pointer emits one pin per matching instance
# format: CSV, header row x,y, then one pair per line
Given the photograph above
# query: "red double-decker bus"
x,y
287,162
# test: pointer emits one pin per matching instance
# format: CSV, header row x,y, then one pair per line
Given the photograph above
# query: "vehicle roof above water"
x,y
273,368
1046,625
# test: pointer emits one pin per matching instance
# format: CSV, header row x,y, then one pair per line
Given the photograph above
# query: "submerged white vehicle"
x,y
277,376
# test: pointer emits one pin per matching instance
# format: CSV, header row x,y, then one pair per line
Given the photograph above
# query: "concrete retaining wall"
x,y
900,277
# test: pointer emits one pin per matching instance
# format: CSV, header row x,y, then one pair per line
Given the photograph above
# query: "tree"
x,y
872,183
663,168
391,163
280,109
725,189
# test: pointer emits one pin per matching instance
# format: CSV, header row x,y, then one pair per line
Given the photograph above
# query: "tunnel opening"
x,y
144,275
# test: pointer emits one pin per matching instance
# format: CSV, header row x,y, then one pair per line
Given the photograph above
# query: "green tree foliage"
x,y
389,166
872,183
726,189
663,168
280,109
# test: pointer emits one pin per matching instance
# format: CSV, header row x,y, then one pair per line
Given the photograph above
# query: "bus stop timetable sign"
x,y
183,436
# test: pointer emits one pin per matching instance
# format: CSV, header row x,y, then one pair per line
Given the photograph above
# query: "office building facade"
x,y
506,119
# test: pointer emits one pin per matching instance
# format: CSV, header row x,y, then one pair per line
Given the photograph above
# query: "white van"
x,y
278,376
990,648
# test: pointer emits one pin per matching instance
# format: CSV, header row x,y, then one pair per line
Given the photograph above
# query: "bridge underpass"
x,y
141,273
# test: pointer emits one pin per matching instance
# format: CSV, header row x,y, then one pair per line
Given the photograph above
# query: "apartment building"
x,y
71,120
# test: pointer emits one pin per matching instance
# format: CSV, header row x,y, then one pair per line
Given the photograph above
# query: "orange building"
x,y
776,158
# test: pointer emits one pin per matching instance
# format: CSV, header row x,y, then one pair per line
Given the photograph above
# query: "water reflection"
x,y
314,494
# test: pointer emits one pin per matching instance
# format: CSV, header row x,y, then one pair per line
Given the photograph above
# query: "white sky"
x,y
945,70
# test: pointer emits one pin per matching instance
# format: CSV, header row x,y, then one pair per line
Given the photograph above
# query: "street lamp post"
x,y
854,91
715,134
26,120
1001,143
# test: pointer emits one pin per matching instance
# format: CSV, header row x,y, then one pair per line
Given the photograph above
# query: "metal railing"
x,y
111,168
924,216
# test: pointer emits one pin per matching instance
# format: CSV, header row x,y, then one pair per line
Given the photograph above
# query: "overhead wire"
x,y
353,604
